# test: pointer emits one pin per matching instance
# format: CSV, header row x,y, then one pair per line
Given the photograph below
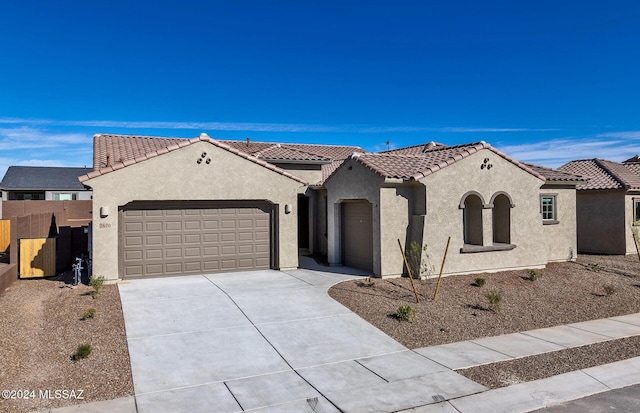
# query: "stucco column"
x,y
333,234
487,226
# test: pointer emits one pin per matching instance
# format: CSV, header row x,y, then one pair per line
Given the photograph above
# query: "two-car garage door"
x,y
179,239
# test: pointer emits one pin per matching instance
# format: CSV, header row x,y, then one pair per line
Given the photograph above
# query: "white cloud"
x,y
27,137
556,152
259,127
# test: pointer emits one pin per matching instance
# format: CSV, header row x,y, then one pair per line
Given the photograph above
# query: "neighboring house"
x,y
165,206
41,183
608,205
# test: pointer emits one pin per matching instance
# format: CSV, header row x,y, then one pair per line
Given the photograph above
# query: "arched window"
x,y
501,219
472,219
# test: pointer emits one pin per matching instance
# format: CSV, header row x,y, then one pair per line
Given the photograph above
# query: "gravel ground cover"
x,y
541,366
564,293
41,327
593,287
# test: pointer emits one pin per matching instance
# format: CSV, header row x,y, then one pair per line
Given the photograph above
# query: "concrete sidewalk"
x,y
268,341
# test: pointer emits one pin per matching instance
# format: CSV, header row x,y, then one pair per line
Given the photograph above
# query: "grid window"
x,y
548,207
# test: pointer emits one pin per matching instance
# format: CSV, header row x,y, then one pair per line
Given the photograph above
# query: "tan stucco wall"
x,y
395,207
561,238
444,218
177,176
601,218
310,173
355,183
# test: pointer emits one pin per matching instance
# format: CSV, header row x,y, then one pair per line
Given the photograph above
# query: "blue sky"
x,y
543,81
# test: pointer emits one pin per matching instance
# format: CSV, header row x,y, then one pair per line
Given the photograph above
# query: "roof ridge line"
x,y
614,175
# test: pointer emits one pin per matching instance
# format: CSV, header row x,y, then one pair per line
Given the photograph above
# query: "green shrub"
x,y
495,299
534,275
480,281
406,313
82,352
596,267
90,313
96,283
609,289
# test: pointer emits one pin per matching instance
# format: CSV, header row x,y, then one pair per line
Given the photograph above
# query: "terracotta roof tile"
x,y
415,149
399,166
635,159
555,175
279,152
129,150
604,174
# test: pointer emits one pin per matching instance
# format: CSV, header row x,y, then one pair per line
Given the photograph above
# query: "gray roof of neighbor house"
x,y
603,174
396,165
43,178
110,150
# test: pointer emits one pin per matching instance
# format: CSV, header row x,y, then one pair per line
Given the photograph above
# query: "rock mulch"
x,y
41,328
593,287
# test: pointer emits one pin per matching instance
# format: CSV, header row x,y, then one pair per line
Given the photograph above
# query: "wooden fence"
x,y
37,257
5,234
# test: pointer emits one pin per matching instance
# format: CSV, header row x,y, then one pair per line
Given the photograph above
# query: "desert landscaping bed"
x,y
593,287
41,328
506,373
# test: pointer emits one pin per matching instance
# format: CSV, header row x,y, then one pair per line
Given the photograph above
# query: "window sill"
x,y
551,222
470,249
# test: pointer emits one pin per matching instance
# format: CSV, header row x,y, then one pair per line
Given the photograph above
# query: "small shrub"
x,y
495,299
90,313
82,352
596,267
534,275
368,283
406,313
609,289
96,283
480,281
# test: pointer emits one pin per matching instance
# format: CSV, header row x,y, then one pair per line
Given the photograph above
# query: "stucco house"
x,y
608,205
500,213
165,206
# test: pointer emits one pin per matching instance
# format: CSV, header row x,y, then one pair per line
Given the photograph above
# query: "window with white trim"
x,y
549,208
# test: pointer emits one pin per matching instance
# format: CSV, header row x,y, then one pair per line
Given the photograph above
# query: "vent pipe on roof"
x,y
108,160
248,141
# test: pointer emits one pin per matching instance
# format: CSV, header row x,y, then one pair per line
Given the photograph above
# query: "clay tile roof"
x,y
415,149
134,149
281,153
604,174
119,148
554,175
635,159
393,165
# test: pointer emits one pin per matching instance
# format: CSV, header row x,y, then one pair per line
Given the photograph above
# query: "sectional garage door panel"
x,y
160,242
357,235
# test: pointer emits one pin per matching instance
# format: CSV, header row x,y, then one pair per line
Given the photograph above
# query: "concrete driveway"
x,y
269,341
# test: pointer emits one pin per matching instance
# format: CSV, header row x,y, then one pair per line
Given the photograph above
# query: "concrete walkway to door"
x,y
268,341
